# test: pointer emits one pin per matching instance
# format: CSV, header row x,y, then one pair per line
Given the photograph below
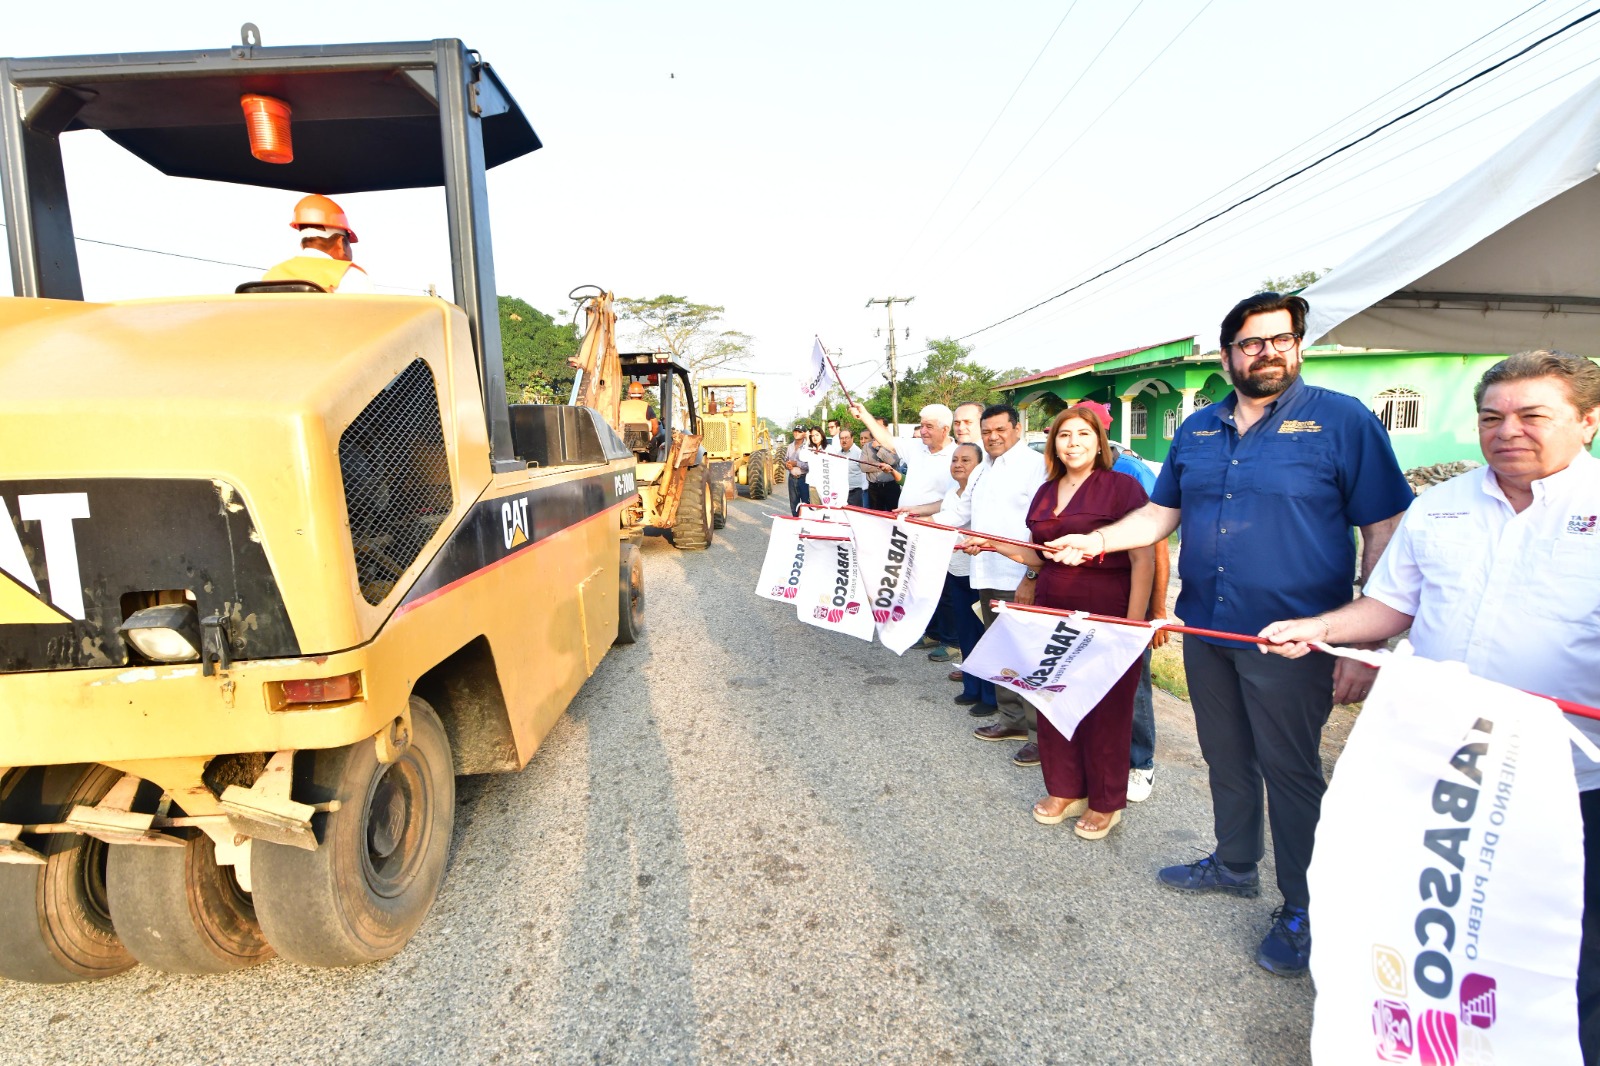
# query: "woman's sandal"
x,y
1098,834
1073,809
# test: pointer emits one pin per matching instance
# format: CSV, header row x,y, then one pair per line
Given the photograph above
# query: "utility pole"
x,y
894,376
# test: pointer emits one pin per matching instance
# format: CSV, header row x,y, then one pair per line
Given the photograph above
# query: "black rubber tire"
x,y
719,505
757,474
693,529
630,595
176,910
381,856
780,473
55,925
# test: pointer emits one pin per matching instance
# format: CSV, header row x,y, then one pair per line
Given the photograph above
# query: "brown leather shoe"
x,y
957,675
1000,731
1027,755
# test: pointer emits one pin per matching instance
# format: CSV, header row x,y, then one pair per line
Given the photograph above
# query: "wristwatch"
x,y
1032,575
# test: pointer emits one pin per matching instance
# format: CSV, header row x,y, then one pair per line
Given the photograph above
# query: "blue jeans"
x,y
799,492
1142,756
955,604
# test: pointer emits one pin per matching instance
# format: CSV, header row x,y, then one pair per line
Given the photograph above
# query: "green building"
x,y
1424,398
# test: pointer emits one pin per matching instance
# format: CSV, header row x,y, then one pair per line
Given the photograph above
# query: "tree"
x,y
948,376
536,349
687,330
1293,282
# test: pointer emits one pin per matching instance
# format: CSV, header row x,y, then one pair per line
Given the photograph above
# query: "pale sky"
x,y
791,162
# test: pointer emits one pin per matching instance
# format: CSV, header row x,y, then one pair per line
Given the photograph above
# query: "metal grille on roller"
x,y
716,438
396,478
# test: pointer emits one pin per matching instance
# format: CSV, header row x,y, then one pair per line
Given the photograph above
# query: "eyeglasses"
x,y
1256,345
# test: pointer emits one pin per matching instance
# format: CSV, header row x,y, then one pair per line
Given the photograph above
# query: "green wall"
x,y
1445,381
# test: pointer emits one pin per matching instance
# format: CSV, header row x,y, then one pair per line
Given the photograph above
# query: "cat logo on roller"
x,y
514,522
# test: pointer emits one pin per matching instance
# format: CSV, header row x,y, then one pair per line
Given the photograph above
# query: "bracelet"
x,y
1102,555
1327,627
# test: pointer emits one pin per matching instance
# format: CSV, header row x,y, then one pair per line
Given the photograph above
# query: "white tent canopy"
x,y
1506,259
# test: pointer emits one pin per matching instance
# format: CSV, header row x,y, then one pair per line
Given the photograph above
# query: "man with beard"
x,y
1266,486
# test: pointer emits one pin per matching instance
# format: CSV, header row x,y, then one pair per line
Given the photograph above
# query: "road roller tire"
x,y
630,595
176,910
55,925
380,857
758,474
693,529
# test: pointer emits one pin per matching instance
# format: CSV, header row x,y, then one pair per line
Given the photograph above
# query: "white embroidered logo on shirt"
x,y
1582,525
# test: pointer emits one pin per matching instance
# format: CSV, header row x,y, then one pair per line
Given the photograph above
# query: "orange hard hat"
x,y
635,390
320,211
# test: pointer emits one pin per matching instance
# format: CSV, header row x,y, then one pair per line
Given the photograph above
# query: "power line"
x,y
1256,223
1334,125
1085,131
1007,168
1286,179
984,139
202,259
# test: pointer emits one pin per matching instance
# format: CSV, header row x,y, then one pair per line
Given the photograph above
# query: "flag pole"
x,y
1568,706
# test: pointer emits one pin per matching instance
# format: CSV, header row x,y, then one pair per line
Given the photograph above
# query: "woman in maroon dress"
x,y
1086,776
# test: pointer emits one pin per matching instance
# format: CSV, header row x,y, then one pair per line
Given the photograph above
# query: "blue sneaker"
x,y
1209,875
1287,949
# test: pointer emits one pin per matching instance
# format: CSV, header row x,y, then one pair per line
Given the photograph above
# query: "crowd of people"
x,y
1266,489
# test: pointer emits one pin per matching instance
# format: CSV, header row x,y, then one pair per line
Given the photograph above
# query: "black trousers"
x,y
883,495
1589,953
1259,719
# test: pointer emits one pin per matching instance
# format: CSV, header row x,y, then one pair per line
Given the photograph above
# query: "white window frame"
x,y
1390,404
1169,423
1138,420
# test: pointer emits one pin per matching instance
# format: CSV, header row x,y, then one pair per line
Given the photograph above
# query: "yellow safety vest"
x,y
325,272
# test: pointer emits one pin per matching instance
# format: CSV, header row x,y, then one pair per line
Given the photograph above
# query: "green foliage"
x,y
686,329
949,376
536,349
1292,283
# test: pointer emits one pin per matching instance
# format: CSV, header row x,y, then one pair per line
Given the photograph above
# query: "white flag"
x,y
830,592
830,476
816,371
1063,666
780,571
903,566
1447,878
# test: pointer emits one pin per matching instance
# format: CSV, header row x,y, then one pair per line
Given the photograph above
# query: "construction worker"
x,y
636,411
325,240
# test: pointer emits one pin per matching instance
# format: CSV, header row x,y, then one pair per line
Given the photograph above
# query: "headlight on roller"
x,y
167,633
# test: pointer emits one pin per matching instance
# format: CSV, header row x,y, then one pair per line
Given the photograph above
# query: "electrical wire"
x,y
1094,122
985,138
1256,222
214,262
1287,178
1007,168
1341,122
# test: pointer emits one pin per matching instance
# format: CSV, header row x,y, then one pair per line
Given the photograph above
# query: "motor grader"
x,y
275,564
738,446
680,493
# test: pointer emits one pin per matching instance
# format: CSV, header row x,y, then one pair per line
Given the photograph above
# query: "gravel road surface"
x,y
752,841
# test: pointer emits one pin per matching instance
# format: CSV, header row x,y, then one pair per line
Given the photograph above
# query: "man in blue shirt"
x,y
1266,485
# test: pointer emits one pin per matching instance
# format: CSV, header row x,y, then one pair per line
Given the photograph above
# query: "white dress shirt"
x,y
957,511
858,477
1000,506
1514,596
927,472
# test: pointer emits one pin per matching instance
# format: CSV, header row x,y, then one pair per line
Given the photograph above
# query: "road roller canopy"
x,y
324,119
360,117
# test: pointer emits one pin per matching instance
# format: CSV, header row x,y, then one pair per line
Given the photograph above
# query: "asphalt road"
x,y
751,841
